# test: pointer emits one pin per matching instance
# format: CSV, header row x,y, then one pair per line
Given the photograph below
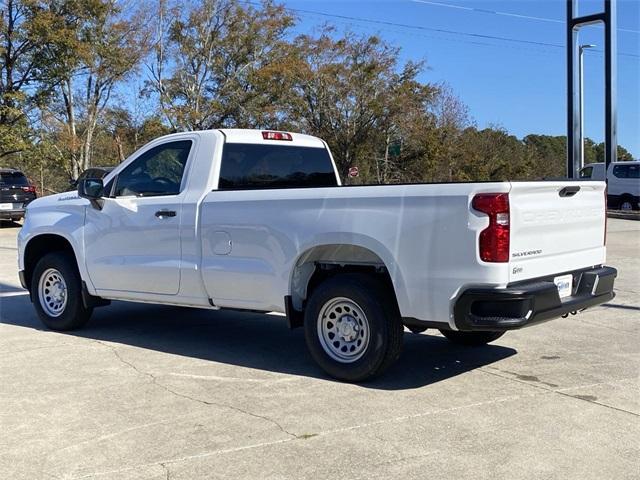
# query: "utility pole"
x,y
574,23
581,95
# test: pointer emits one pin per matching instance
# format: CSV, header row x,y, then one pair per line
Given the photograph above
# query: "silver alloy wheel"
x,y
343,330
626,205
52,292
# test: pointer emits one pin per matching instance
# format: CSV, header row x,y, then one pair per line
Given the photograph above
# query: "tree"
x,y
548,154
221,63
121,133
598,153
18,72
492,154
217,64
92,46
351,92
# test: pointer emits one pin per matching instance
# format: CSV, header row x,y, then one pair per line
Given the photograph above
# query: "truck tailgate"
x,y
555,227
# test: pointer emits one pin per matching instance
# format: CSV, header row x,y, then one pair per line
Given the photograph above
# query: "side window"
x,y
633,171
256,166
586,172
620,171
156,172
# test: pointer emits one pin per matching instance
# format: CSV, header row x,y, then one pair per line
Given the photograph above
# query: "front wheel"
x,y
471,339
56,289
352,327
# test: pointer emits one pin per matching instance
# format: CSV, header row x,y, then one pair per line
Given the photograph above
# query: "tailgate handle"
x,y
569,191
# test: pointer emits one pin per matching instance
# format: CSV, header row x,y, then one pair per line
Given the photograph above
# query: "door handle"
x,y
165,213
569,191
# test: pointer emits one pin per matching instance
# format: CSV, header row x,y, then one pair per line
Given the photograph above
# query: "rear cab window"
x,y
253,166
13,179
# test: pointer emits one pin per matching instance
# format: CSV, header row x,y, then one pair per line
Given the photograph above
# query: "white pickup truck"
x,y
258,220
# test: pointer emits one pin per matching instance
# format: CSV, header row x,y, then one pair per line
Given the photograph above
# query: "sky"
x,y
518,85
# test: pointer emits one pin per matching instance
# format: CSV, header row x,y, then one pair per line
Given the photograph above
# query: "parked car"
x,y
93,172
15,194
258,220
623,183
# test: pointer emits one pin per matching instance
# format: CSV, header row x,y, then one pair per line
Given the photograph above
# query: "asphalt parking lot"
x,y
152,392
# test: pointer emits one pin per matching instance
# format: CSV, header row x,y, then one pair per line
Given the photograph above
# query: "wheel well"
x,y
40,246
323,262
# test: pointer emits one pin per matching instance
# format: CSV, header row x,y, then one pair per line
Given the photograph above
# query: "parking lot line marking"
x,y
233,379
320,434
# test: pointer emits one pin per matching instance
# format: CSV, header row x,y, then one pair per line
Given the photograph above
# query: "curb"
x,y
623,215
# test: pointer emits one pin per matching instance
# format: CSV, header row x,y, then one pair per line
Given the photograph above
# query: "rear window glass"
x,y
13,178
627,171
247,166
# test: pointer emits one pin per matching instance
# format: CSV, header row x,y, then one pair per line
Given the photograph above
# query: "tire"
x,y
366,337
627,203
471,339
56,274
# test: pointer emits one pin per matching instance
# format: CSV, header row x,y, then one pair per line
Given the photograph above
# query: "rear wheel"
x,y
472,339
626,203
56,289
352,327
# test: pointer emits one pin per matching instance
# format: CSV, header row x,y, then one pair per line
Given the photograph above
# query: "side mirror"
x,y
92,189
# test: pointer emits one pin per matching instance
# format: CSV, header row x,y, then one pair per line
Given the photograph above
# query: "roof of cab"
x,y
619,162
240,135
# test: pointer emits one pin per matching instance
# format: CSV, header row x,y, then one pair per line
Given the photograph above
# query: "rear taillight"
x,y
30,189
493,242
277,136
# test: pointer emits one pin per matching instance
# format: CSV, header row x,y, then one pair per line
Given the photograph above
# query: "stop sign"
x,y
353,171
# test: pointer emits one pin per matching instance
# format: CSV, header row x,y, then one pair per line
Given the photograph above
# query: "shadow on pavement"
x,y
255,341
9,224
620,306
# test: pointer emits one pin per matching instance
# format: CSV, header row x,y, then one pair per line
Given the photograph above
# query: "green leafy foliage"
x,y
87,82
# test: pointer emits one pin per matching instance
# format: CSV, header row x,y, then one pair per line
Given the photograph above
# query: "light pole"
x,y
581,97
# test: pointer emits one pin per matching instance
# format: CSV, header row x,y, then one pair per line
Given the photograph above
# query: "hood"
x,y
59,199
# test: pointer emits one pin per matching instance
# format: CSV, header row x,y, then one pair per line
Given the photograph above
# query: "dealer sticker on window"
x,y
564,284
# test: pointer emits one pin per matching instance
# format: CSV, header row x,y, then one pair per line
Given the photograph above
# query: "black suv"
x,y
15,194
95,173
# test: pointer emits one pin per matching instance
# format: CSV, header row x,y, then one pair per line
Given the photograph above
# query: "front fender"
x,y
62,215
